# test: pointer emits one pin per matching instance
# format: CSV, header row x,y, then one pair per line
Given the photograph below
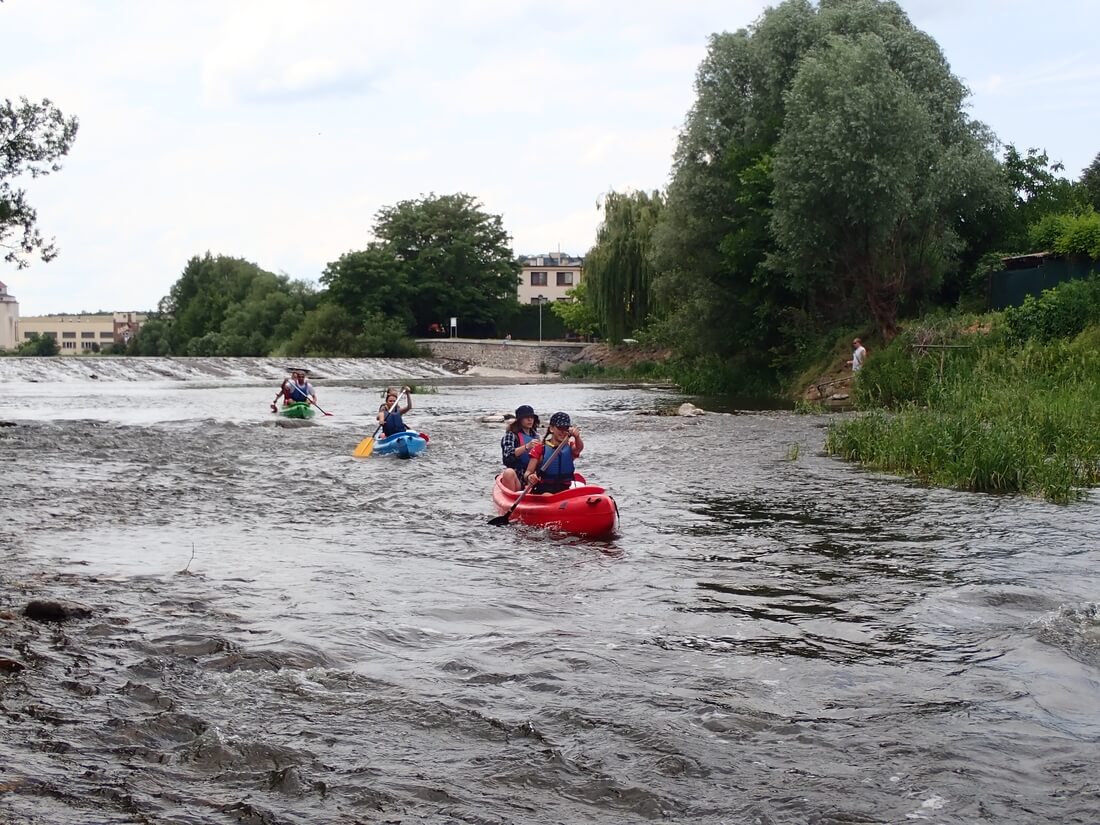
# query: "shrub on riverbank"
x,y
983,415
695,376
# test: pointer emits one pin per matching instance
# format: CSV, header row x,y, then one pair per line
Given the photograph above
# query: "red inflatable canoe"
x,y
585,509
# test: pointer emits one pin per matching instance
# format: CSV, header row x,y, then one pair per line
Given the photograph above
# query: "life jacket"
x,y
515,462
560,467
393,424
297,392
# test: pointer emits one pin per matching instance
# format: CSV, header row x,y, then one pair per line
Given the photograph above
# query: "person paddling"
x,y
515,446
392,422
295,390
558,475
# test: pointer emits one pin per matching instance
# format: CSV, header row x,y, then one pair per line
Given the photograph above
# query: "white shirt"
x,y
857,357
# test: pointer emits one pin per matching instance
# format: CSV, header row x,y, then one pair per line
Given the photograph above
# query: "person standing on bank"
x,y
859,355
391,422
515,446
558,474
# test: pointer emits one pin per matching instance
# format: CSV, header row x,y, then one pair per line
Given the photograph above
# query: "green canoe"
x,y
299,409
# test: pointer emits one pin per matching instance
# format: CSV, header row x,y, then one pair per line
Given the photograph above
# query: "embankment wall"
x,y
522,356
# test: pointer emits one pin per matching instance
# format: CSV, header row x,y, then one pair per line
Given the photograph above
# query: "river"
x,y
282,633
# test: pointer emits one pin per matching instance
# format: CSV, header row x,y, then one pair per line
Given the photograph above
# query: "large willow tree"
x,y
618,270
826,173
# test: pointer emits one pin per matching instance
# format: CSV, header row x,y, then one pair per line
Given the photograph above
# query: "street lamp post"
x,y
542,300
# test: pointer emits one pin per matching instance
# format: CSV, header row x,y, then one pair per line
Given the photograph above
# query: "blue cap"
x,y
524,410
559,419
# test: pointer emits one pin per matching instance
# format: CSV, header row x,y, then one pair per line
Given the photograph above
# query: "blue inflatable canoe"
x,y
402,445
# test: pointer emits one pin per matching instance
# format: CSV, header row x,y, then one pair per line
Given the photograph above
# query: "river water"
x,y
282,633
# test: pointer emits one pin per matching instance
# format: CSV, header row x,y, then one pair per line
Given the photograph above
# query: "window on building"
x,y
68,344
566,300
538,279
565,279
87,335
68,335
538,299
29,335
110,335
49,335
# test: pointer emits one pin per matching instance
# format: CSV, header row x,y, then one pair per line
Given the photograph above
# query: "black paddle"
x,y
501,520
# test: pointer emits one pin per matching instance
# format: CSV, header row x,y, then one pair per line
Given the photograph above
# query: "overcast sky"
x,y
275,130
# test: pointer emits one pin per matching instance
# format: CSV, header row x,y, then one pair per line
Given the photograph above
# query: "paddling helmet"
x,y
560,419
524,410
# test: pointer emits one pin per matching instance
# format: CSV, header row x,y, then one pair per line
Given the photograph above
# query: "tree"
x,y
455,258
873,170
372,280
578,314
33,139
1090,183
1038,190
229,306
38,345
826,174
619,268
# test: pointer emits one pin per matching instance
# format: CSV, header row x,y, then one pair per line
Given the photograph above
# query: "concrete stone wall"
x,y
522,356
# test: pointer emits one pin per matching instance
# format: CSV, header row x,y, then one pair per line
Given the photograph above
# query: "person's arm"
x,y
508,447
312,393
408,400
533,464
578,443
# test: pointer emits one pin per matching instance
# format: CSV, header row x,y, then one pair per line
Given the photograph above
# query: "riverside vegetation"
x,y
1009,402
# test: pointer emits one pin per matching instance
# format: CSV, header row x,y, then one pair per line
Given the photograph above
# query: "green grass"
x,y
989,418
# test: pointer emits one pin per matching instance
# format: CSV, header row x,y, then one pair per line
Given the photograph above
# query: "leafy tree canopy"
x,y
33,139
578,315
1090,183
456,258
826,170
229,306
619,268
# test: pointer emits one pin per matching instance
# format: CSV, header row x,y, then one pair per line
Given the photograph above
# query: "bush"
x,y
1061,312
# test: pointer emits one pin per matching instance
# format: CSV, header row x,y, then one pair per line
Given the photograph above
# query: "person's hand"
x,y
575,431
407,389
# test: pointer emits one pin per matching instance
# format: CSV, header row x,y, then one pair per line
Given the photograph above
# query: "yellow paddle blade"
x,y
365,448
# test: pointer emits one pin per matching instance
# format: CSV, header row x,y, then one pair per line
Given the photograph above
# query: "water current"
x,y
282,633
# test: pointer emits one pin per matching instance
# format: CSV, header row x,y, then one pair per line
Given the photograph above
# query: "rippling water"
x,y
285,634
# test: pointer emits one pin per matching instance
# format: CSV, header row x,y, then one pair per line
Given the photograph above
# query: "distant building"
x,y
548,277
77,334
9,317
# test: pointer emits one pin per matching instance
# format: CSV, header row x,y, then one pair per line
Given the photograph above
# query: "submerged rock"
x,y
689,410
55,611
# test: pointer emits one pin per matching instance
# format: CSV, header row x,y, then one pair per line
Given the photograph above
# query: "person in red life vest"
x,y
515,447
558,474
282,393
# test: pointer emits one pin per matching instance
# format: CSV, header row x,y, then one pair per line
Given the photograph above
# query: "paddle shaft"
x,y
504,519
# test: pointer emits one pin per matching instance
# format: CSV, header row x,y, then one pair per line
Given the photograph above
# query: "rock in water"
x,y
51,611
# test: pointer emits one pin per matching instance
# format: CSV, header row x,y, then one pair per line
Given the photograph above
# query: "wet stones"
x,y
10,665
42,610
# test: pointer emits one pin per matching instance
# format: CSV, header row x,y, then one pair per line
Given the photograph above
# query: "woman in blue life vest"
x,y
389,414
515,446
558,474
